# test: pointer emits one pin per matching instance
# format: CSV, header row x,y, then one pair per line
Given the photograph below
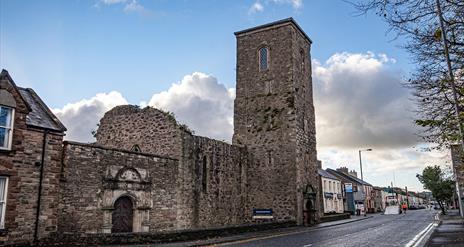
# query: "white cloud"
x,y
129,5
256,7
295,3
360,102
111,2
259,7
202,103
81,118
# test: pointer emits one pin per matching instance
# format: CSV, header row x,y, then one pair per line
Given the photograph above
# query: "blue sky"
x,y
86,47
84,57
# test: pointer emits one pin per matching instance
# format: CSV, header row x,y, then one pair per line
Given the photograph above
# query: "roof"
x,y
40,115
349,177
325,174
4,75
287,20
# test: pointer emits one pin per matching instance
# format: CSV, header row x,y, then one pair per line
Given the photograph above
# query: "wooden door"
x,y
122,215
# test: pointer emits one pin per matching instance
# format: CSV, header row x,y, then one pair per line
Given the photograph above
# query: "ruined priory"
x,y
147,173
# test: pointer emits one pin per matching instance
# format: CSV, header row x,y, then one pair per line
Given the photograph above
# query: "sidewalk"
x,y
449,233
345,221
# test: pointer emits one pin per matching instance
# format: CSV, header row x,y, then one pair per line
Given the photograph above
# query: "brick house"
x,y
30,154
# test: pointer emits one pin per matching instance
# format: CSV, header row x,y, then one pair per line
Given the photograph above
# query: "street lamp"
x,y
360,162
362,178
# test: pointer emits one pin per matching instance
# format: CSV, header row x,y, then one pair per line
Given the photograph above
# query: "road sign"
x,y
262,213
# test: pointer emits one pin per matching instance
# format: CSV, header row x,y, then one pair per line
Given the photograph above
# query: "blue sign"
x,y
262,213
348,187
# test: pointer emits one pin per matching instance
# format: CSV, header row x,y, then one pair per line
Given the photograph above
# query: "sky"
x,y
84,57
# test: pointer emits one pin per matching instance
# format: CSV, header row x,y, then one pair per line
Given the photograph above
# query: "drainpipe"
x,y
39,196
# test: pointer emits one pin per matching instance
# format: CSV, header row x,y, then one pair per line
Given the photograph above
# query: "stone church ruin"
x,y
146,173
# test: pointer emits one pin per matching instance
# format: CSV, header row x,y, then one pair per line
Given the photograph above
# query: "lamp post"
x,y
362,178
360,161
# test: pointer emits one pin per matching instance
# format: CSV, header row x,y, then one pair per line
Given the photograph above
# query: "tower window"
x,y
263,58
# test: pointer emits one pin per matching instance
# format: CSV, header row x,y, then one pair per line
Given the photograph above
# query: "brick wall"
x,y
22,165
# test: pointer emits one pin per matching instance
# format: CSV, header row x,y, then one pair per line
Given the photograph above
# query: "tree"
x,y
441,185
417,21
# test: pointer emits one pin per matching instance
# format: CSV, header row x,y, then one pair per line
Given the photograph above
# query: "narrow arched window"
x,y
303,58
204,177
263,58
136,148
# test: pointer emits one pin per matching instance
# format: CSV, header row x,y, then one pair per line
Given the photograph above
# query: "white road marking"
x,y
420,236
308,245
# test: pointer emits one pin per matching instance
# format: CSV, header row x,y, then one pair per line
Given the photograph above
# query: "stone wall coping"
x,y
93,145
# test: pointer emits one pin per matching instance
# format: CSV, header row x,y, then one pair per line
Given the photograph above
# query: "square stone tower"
x,y
274,118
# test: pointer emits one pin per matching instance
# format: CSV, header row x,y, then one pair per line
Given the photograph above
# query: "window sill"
x,y
4,150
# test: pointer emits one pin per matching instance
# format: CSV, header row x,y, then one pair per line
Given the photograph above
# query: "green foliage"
x,y
442,187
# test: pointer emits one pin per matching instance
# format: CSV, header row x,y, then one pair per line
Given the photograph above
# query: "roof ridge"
x,y
270,24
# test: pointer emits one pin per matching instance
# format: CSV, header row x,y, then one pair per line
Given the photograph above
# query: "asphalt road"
x,y
381,230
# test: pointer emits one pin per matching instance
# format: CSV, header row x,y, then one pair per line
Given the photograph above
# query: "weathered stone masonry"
x,y
94,177
148,173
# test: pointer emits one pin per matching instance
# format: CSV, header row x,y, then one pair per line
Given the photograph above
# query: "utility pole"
x,y
455,95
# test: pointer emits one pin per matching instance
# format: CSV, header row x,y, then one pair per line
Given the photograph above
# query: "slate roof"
x,y
40,115
349,177
290,20
324,173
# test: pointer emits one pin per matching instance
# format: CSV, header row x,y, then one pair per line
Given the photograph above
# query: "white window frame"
x,y
9,129
3,206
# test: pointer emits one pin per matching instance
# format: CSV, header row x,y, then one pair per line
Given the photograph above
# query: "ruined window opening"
x,y
6,127
263,58
302,56
204,176
268,87
3,193
136,148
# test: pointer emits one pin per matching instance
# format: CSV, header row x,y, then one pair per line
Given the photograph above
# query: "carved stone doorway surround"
x,y
131,182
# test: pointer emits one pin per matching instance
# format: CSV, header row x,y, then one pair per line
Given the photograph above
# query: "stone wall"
x,y
274,118
21,165
264,119
220,182
153,130
212,178
94,177
305,126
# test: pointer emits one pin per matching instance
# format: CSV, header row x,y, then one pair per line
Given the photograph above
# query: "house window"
x,y
3,190
263,58
6,126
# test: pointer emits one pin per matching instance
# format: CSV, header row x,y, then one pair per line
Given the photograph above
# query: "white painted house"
x,y
331,192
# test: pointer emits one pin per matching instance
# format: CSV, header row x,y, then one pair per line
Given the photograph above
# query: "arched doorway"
x,y
122,215
309,210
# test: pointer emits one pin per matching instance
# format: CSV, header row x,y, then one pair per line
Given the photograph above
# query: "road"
x,y
381,230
